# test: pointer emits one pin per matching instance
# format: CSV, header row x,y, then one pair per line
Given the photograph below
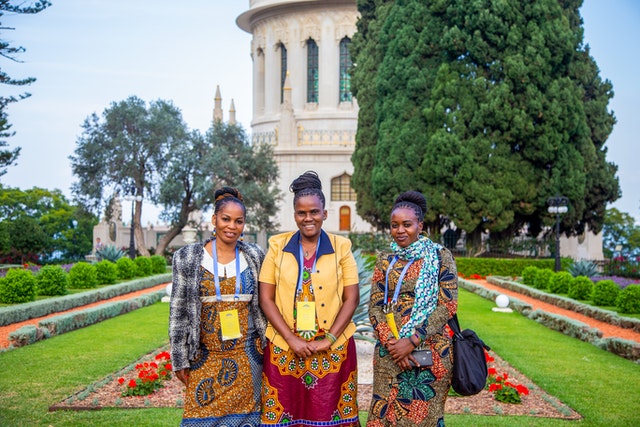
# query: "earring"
x,y
213,233
242,236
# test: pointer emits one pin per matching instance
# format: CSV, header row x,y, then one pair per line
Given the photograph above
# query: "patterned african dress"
x,y
224,383
320,390
415,396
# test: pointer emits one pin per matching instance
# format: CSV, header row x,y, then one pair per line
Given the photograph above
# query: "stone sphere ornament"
x,y
502,301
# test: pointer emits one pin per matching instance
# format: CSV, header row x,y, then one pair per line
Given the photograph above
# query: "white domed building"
x,y
302,102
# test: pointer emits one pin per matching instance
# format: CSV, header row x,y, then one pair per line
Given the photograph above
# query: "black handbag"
x,y
469,361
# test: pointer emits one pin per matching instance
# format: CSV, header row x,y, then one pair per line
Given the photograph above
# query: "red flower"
x,y
168,366
120,380
495,387
522,389
132,384
492,371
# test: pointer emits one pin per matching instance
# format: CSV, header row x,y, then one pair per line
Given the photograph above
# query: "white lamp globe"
x,y
502,301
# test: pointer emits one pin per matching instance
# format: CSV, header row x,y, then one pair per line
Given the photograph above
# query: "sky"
x,y
87,54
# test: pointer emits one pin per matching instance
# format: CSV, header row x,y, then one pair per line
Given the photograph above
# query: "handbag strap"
x,y
453,324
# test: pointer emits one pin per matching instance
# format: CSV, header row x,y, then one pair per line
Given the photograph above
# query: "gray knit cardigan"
x,y
185,306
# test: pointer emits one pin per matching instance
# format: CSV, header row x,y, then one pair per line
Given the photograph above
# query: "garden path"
x,y
607,329
6,330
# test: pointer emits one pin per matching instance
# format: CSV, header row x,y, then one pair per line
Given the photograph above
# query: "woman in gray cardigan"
x,y
216,326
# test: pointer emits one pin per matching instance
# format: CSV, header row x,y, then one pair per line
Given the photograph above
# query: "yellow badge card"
x,y
230,325
391,321
306,315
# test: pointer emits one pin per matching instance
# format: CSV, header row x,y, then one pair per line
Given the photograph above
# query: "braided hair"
x,y
226,195
307,184
413,200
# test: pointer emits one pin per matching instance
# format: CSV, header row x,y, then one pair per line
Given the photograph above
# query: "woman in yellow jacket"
x,y
309,292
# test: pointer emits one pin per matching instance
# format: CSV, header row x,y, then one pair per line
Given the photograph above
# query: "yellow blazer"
x,y
335,268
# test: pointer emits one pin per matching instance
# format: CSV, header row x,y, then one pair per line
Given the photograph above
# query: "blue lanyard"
x,y
398,285
216,277
313,268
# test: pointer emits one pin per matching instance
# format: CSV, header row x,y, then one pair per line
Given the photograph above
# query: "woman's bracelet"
x,y
411,341
330,337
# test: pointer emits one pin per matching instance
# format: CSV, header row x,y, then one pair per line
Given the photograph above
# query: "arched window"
x,y
345,66
312,71
345,218
341,189
283,69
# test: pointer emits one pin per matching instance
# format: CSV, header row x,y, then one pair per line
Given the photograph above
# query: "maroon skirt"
x,y
312,391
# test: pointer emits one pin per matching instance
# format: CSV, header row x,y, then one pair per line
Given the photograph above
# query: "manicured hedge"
x,y
79,319
509,267
623,348
21,312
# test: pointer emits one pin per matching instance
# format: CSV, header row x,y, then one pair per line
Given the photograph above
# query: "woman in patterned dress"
x,y
413,295
216,326
308,291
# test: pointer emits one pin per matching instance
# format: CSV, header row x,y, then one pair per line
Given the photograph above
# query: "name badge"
x,y
306,315
391,321
230,325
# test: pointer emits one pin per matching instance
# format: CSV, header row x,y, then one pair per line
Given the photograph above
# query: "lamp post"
x,y
558,206
131,196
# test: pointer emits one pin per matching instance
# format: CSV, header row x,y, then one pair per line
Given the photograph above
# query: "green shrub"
x,y
52,280
629,300
560,282
107,272
581,289
583,267
506,267
542,279
126,268
18,286
143,266
110,253
529,275
83,276
158,264
605,292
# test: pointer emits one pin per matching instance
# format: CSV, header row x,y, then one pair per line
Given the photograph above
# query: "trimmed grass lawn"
x,y
603,387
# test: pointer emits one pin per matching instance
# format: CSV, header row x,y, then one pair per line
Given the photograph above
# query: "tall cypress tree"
x,y
489,108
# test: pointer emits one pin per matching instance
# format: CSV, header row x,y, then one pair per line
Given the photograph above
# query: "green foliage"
x,y
509,267
581,289
370,242
529,275
629,299
560,282
583,267
543,278
106,272
18,286
110,253
41,226
605,293
52,280
143,266
126,268
451,92
619,231
366,266
158,264
83,276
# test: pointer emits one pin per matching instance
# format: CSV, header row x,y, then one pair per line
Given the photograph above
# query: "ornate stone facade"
x,y
305,135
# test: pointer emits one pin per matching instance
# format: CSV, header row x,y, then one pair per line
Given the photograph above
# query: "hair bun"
x,y
306,181
414,197
224,192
